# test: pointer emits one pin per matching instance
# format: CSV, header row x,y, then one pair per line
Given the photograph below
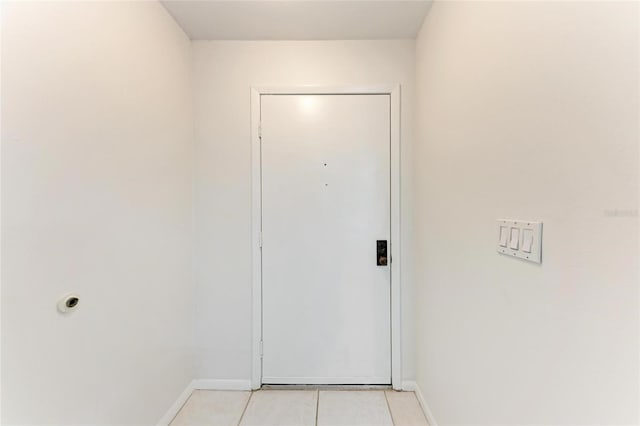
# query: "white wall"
x,y
224,73
528,110
97,157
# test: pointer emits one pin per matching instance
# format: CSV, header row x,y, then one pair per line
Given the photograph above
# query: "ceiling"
x,y
298,19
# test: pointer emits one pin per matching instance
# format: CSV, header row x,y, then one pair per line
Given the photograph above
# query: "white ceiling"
x,y
298,19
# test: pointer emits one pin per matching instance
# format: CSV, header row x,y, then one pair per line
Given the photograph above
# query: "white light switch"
x,y
527,240
520,238
515,237
504,236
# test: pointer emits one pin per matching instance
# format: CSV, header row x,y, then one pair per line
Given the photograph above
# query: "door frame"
x,y
256,215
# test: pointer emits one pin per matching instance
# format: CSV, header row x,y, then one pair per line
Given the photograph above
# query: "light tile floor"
x,y
301,408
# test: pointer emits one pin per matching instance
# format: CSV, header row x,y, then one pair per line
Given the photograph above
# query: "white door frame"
x,y
256,206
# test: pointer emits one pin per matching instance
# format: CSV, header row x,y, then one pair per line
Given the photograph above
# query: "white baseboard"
x,y
408,386
214,384
201,384
411,386
176,406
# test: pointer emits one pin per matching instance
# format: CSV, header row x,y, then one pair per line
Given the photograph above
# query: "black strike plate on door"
x,y
382,252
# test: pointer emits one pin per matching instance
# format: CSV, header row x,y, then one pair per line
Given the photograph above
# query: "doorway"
x,y
325,229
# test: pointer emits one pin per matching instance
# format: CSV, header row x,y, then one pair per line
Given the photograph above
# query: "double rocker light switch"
x,y
520,238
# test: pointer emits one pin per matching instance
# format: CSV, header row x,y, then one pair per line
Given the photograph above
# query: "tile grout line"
x,y
245,408
389,408
317,404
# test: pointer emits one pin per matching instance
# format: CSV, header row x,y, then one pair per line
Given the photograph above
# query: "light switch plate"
x,y
524,229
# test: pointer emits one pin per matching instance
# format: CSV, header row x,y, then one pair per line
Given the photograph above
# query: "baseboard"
x,y
411,386
176,406
215,384
408,386
201,384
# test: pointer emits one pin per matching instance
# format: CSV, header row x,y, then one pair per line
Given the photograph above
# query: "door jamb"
x,y
256,207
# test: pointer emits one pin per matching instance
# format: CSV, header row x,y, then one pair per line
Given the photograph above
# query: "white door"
x,y
325,205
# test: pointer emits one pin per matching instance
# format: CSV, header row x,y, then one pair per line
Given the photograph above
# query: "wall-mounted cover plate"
x,y
520,238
